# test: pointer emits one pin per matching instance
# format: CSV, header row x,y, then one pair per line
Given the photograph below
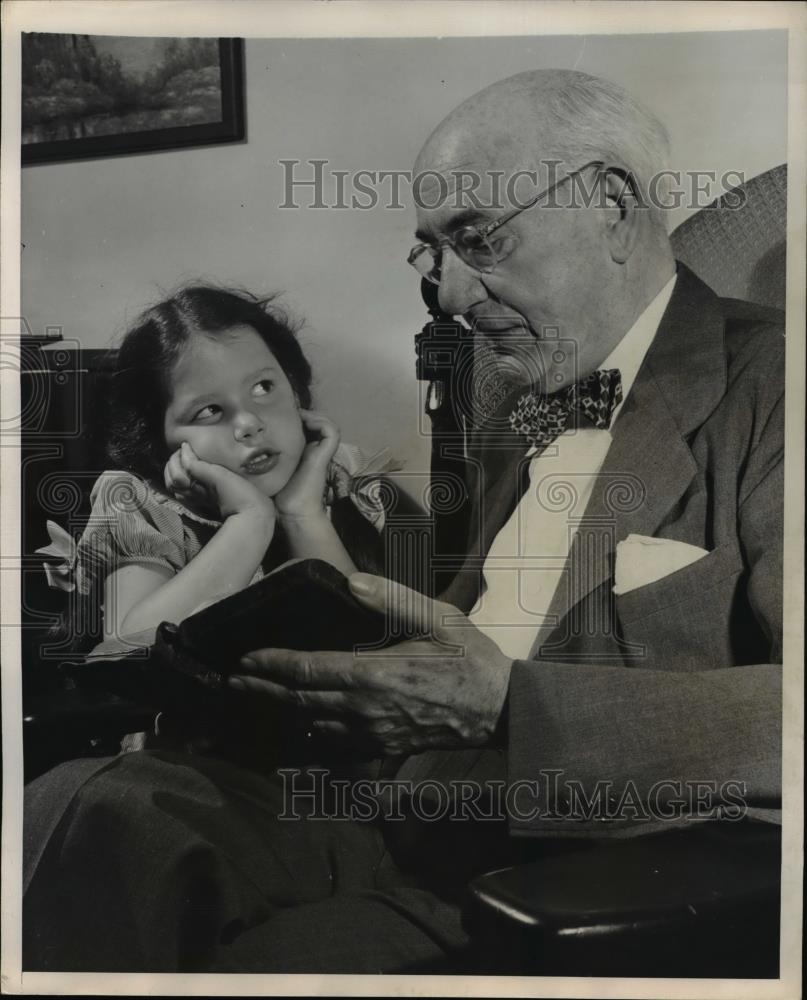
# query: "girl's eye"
x,y
263,388
208,412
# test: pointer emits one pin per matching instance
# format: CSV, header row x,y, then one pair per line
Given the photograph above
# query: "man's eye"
x,y
501,244
469,238
483,251
209,412
263,388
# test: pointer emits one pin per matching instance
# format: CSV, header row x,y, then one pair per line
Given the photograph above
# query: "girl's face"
x,y
232,403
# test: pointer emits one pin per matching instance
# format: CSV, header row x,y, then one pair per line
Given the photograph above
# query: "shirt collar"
x,y
630,352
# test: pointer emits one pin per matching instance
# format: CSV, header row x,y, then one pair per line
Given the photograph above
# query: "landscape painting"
x,y
100,95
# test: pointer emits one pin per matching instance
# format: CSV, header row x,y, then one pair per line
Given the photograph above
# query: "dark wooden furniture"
x,y
63,393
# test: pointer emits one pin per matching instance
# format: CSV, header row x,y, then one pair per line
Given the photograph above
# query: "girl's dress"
x,y
132,522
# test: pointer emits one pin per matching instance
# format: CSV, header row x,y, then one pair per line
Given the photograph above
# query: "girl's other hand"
x,y
191,479
303,495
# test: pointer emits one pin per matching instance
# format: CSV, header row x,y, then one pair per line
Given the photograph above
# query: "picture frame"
x,y
117,120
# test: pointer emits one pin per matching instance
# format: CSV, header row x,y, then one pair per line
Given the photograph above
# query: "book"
x,y
303,605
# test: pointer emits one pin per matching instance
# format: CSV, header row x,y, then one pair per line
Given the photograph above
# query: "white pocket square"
x,y
641,560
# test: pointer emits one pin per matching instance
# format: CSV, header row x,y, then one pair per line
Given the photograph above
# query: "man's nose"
x,y
460,286
246,425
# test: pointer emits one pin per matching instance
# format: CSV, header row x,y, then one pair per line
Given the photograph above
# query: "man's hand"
x,y
446,690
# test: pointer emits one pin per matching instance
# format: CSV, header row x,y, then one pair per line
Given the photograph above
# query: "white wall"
x,y
102,237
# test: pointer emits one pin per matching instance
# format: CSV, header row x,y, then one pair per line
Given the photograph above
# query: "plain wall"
x,y
101,238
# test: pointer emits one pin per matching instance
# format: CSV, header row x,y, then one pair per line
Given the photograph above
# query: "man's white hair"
x,y
591,118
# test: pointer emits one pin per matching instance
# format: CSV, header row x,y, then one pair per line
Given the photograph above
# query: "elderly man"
x,y
624,638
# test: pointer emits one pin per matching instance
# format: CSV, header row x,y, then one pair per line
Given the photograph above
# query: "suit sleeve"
x,y
621,751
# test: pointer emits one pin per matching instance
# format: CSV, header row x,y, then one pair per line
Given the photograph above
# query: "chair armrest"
x,y
95,713
703,901
66,724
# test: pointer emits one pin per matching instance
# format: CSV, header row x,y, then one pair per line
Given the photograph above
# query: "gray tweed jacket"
x,y
678,681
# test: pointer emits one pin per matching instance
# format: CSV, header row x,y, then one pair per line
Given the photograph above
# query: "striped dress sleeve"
x,y
128,525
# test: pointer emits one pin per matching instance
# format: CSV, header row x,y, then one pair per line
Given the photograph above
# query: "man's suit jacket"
x,y
679,680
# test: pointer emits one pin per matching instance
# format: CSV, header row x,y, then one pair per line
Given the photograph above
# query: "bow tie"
x,y
540,419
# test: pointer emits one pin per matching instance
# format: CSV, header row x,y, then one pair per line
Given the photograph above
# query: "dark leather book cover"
x,y
303,605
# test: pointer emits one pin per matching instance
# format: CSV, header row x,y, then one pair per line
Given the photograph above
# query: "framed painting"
x,y
101,95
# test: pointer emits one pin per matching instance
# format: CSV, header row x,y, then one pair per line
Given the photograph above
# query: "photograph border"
x,y
417,19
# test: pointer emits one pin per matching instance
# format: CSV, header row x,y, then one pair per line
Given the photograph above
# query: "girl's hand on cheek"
x,y
303,495
191,479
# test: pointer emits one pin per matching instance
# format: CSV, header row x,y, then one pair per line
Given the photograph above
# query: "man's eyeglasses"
x,y
472,244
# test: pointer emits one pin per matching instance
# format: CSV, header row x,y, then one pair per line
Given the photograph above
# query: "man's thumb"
x,y
402,605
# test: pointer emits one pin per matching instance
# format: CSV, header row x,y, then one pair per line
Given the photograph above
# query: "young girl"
x,y
222,469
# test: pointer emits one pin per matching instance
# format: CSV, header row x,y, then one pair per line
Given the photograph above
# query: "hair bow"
x,y
362,485
68,574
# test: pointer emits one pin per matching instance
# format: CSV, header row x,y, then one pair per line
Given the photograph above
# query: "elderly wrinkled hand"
x,y
444,690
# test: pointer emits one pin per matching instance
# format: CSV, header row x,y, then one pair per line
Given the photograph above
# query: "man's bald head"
x,y
545,116
514,274
508,119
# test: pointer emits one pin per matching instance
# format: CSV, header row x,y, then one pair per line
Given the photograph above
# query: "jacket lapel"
x,y
649,464
647,469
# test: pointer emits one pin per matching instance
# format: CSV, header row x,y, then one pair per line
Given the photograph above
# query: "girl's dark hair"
x,y
139,391
140,385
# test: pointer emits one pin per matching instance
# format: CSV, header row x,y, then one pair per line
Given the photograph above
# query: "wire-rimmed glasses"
x,y
472,243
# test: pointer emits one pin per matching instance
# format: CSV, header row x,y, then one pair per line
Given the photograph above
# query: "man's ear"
x,y
623,223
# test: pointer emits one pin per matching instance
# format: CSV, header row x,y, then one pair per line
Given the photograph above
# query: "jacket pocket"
x,y
693,582
683,622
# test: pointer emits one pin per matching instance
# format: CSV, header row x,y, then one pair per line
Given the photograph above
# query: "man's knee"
x,y
401,931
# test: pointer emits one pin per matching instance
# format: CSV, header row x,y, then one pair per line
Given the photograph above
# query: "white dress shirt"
x,y
526,559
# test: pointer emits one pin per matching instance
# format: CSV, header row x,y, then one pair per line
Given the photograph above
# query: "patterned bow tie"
x,y
540,419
